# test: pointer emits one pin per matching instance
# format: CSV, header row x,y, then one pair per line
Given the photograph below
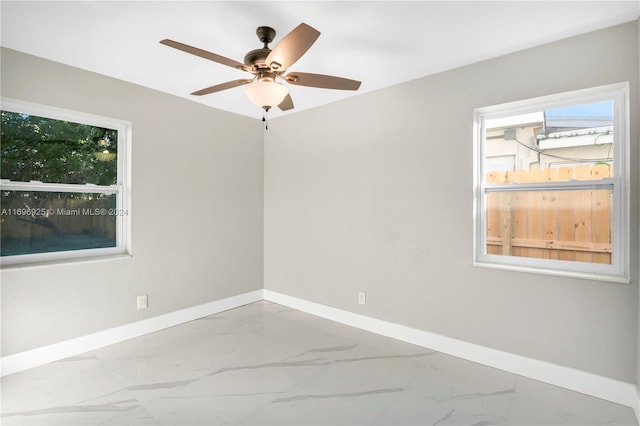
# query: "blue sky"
x,y
599,109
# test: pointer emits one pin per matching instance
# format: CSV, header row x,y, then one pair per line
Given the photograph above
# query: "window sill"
x,y
47,263
571,274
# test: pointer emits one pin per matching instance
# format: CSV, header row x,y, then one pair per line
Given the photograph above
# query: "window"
x,y
559,205
63,184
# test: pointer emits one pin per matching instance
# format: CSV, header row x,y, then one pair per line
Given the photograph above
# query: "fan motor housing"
x,y
257,57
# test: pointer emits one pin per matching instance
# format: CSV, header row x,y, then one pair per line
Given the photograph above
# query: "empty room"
x,y
320,213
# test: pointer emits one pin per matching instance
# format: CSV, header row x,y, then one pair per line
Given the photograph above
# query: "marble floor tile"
x,y
265,364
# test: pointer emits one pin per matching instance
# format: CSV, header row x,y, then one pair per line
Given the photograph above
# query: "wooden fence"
x,y
564,225
61,216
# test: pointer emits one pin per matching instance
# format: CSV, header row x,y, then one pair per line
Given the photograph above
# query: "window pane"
x,y
573,225
43,222
56,151
580,135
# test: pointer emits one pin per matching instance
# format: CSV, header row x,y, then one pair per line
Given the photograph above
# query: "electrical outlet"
x,y
143,301
362,298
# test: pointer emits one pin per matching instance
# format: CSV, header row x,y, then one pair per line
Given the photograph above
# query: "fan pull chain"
x,y
265,119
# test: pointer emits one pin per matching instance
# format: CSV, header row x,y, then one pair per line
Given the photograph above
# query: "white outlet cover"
x,y
142,302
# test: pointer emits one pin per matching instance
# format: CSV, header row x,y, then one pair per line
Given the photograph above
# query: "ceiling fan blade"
x,y
205,54
286,104
321,81
222,86
292,47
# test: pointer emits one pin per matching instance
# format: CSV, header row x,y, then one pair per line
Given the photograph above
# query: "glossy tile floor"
x,y
263,364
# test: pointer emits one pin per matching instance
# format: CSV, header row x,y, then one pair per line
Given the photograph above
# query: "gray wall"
x,y
374,194
183,254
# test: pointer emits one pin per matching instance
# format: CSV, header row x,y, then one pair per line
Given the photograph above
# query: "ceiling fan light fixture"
x,y
267,64
266,94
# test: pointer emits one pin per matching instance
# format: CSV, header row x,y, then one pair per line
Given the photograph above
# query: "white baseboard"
x,y
623,393
636,402
45,354
577,380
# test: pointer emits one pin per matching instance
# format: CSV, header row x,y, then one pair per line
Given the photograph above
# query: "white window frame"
x,y
618,270
121,188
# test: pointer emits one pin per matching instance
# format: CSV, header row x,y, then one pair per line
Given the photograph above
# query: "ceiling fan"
x,y
267,65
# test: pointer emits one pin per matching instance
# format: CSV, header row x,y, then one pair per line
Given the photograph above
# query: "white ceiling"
x,y
379,43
